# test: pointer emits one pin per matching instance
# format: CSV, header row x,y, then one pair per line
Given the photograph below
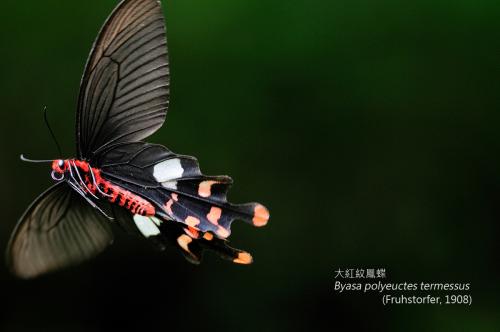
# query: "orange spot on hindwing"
x,y
260,216
205,188
170,202
183,241
168,207
243,258
222,232
214,215
208,236
192,221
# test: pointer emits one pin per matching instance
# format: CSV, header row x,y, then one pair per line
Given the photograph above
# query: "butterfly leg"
x,y
97,185
94,205
81,185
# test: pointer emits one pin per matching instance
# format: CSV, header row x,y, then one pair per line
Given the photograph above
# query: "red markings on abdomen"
x,y
113,193
130,201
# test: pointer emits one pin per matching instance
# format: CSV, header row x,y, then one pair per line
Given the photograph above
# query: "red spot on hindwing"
x,y
192,232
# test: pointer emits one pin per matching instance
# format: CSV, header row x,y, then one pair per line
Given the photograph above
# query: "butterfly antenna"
x,y
23,158
50,130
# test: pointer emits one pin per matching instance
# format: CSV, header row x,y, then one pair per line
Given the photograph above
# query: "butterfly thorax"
x,y
88,182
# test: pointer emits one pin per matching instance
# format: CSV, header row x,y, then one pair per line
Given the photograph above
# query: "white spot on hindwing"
x,y
147,225
168,170
170,185
155,220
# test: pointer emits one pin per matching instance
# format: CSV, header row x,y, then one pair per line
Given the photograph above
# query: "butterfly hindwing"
x,y
175,184
192,243
124,93
203,214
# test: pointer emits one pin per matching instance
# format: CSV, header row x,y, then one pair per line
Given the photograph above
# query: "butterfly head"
x,y
59,167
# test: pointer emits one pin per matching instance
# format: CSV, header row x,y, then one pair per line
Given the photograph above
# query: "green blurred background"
x,y
369,128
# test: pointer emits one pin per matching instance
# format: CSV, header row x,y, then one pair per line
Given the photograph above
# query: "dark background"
x,y
370,129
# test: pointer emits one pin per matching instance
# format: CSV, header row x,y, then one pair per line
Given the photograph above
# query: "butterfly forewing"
x,y
124,93
59,229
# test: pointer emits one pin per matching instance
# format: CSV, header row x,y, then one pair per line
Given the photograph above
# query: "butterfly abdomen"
x,y
128,200
103,188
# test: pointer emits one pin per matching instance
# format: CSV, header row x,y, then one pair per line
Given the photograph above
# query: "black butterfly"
x,y
124,97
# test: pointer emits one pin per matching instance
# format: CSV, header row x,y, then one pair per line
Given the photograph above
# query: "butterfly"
x,y
118,177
